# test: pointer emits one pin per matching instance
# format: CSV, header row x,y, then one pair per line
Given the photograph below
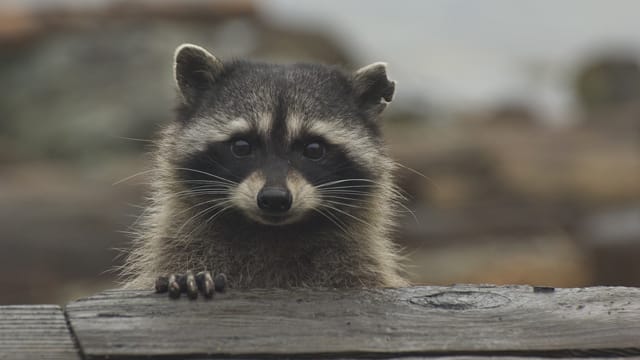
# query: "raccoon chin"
x,y
263,218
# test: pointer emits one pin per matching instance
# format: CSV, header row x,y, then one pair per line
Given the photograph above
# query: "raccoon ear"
x,y
195,70
374,91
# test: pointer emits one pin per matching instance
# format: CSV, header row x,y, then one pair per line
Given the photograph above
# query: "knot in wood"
x,y
461,300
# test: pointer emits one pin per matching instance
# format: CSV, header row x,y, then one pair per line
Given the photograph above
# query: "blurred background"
x,y
524,117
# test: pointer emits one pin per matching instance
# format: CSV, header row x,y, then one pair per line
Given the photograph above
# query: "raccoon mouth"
x,y
275,219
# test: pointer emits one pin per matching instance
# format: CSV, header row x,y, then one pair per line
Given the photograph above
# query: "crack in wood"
x,y
461,300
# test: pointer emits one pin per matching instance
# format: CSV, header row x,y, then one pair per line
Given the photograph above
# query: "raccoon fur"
x,y
275,175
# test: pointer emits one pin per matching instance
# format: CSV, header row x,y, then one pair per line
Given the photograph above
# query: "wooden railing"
x,y
416,322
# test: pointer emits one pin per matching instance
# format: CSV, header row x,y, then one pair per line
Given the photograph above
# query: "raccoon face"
x,y
276,143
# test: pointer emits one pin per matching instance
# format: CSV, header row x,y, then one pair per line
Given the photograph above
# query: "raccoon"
x,y
276,175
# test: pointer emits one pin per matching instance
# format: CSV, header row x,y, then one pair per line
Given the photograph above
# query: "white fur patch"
x,y
304,197
244,196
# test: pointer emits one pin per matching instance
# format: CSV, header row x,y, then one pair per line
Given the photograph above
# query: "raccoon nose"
x,y
274,199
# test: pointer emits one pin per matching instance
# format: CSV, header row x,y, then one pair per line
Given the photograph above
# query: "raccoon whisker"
x,y
211,201
332,219
205,187
187,237
131,138
346,185
343,181
335,182
209,220
350,195
415,172
351,187
397,192
201,213
339,167
344,192
216,214
216,182
200,181
209,191
344,204
344,198
206,200
133,176
202,191
208,174
210,197
372,183
346,214
197,194
344,189
398,203
222,202
355,194
140,217
413,214
339,221
222,166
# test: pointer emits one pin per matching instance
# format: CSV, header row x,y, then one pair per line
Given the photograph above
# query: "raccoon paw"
x,y
203,282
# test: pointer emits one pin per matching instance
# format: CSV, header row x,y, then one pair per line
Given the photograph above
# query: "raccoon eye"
x,y
314,151
241,148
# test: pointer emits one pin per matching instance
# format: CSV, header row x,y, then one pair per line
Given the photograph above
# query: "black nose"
x,y
274,200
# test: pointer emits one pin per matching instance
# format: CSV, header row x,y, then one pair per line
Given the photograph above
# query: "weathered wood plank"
x,y
35,332
497,358
432,321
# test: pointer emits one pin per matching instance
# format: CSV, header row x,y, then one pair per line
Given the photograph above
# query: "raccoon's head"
x,y
276,144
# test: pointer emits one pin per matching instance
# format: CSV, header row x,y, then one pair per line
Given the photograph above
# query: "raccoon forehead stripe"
x,y
294,127
264,123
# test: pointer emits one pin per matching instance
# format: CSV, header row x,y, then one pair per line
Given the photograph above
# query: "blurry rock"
x,y
464,175
514,114
608,81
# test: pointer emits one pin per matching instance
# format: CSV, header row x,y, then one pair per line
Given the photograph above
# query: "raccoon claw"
x,y
220,282
191,284
174,287
205,283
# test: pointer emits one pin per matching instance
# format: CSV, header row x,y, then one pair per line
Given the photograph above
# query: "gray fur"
x,y
279,102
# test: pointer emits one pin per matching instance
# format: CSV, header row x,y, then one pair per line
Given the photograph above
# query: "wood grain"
x,y
418,321
35,332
